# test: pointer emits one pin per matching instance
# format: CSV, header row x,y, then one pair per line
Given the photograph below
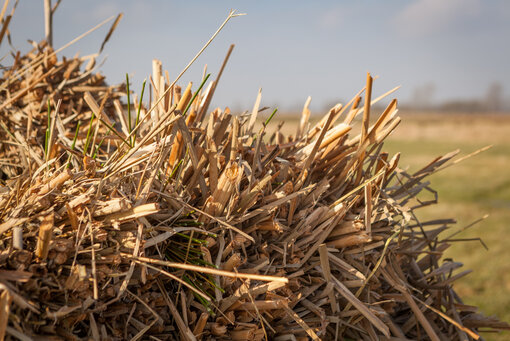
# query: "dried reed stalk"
x,y
45,237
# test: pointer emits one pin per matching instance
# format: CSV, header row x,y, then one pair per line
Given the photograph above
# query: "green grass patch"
x,y
467,191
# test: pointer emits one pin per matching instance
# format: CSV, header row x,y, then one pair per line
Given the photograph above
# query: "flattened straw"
x,y
302,323
392,278
206,270
144,330
175,278
361,307
275,203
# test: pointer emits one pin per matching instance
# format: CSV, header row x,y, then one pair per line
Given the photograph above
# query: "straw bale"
x,y
165,220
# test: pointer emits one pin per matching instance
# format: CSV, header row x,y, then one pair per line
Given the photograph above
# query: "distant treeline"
x,y
466,106
493,100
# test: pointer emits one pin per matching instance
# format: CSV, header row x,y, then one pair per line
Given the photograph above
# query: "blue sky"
x,y
293,49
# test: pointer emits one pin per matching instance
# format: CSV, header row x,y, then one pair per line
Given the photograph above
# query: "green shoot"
x,y
190,223
73,145
270,117
175,169
196,94
198,297
94,156
170,177
47,136
139,108
8,132
89,135
111,129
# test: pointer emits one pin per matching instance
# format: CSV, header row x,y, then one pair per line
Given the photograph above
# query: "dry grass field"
x,y
468,191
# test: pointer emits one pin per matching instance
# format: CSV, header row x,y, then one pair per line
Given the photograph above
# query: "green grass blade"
x,y
89,135
114,132
73,145
140,103
196,94
47,134
270,117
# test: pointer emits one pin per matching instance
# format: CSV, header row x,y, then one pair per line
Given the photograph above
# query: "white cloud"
x,y
424,17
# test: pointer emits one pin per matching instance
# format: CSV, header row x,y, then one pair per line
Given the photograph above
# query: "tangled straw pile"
x,y
168,221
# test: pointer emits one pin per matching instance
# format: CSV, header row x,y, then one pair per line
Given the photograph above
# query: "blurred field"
x,y
467,191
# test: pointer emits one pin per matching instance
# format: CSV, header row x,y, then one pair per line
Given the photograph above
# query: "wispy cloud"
x,y
424,17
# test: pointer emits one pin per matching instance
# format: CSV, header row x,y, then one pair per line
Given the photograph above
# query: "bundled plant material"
x,y
166,220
